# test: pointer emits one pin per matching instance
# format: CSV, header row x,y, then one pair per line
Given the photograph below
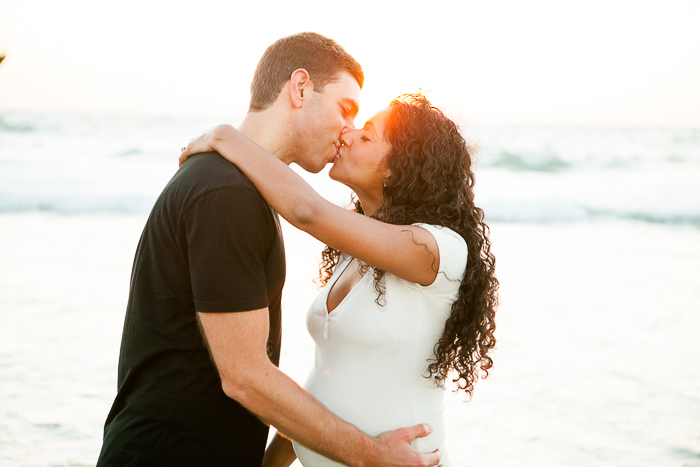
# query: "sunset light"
x,y
620,63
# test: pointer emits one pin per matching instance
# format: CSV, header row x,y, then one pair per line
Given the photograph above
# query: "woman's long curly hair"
x,y
431,182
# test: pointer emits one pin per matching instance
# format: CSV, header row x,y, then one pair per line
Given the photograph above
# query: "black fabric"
x,y
211,244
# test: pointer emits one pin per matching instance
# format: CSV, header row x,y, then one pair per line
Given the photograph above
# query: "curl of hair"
x,y
432,182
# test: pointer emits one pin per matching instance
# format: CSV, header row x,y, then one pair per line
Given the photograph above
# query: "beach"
x,y
598,253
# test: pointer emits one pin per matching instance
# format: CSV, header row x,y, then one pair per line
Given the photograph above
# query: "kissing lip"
x,y
337,151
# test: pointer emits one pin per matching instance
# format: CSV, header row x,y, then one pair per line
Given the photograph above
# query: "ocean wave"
x,y
549,149
83,164
80,205
546,212
8,127
553,212
521,162
651,217
129,152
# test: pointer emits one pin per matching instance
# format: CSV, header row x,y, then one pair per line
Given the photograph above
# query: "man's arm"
x,y
238,343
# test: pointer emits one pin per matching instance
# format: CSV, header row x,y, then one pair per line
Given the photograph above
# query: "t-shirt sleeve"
x,y
229,232
453,261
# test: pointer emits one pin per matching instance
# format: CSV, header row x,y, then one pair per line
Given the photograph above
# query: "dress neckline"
x,y
325,302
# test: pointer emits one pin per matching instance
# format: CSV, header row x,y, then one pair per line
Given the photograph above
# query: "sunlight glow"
x,y
593,63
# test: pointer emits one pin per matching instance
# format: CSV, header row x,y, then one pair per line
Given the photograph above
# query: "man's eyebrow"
x,y
354,108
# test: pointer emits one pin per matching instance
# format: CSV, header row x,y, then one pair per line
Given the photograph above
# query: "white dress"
x,y
371,360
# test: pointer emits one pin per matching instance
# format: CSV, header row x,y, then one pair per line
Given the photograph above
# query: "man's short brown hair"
x,y
320,56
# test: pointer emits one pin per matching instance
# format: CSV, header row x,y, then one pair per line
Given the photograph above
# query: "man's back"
x,y
211,244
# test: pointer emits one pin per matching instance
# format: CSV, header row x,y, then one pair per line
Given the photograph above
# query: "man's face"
x,y
323,118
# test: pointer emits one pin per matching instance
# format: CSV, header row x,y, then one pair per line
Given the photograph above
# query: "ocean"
x,y
596,233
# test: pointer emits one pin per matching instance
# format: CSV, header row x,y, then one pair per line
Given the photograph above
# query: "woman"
x,y
410,294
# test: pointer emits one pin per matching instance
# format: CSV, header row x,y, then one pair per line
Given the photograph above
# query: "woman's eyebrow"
x,y
369,125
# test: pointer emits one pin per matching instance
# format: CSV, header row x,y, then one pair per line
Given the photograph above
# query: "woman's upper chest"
x,y
350,276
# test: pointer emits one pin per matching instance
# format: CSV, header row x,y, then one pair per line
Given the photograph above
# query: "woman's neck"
x,y
369,204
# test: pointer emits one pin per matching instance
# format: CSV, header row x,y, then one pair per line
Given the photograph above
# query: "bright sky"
x,y
609,62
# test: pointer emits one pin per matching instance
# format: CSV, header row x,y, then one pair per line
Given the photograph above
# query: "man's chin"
x,y
313,169
315,165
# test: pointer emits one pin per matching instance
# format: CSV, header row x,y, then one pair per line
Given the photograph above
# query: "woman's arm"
x,y
407,251
279,453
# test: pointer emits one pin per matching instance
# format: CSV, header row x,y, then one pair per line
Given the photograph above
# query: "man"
x,y
201,337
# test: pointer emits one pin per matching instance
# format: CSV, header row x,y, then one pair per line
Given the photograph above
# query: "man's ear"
x,y
300,86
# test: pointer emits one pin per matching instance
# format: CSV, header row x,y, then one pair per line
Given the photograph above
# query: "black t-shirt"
x,y
213,245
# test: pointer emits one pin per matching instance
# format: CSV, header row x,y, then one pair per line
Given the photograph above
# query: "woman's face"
x,y
360,162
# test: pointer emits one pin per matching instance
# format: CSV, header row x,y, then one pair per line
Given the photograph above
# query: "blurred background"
x,y
587,119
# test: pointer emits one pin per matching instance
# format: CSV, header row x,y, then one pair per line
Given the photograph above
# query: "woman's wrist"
x,y
220,134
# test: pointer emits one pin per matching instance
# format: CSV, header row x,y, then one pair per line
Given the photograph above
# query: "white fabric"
x,y
371,360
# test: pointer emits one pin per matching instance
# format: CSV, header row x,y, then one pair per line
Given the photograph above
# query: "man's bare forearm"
x,y
281,402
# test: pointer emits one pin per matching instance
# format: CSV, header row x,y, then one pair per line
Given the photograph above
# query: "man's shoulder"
x,y
207,172
213,169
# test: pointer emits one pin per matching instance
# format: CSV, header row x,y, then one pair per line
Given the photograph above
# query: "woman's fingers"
x,y
183,156
195,146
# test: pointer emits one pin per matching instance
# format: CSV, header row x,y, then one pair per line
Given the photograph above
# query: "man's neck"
x,y
264,129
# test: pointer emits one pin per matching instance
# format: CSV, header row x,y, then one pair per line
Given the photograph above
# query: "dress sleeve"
x,y
453,261
229,232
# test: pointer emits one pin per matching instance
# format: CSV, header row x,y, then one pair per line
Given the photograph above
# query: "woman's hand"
x,y
205,142
279,453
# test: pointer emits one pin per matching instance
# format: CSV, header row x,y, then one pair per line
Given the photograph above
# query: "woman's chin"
x,y
333,174
336,177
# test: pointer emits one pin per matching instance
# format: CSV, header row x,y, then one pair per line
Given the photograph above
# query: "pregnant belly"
x,y
309,458
375,412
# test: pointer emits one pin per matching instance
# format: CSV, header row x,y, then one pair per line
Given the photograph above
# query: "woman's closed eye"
x,y
364,134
